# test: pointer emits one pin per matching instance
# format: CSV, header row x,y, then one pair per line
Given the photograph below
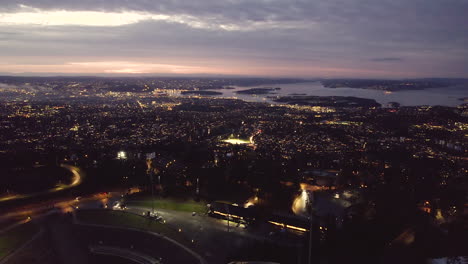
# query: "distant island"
x,y
260,90
393,85
333,101
201,93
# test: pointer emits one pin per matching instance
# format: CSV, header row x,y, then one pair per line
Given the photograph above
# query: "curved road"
x,y
76,180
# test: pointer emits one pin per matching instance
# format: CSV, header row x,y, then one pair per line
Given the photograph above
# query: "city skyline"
x,y
233,131
359,39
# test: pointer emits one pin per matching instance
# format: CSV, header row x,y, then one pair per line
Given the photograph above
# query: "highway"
x,y
77,178
62,205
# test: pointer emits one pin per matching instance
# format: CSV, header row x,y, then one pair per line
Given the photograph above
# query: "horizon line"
x,y
136,76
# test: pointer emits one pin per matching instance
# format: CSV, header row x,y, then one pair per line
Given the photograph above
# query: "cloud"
x,y
90,67
388,59
67,18
137,67
27,15
265,36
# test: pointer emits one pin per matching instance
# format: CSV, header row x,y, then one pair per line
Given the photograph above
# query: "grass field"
x,y
170,204
124,219
15,237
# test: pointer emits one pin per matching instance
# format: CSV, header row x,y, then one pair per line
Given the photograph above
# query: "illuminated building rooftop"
x,y
237,141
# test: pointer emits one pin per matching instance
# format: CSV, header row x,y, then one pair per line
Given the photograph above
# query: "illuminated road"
x,y
77,178
302,202
299,206
63,205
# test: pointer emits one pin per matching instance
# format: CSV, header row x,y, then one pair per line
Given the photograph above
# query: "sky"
x,y
268,38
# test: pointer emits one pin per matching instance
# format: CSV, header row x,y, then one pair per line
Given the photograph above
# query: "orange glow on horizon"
x,y
135,66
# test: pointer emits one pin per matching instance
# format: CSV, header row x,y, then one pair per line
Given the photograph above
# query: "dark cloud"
x,y
386,59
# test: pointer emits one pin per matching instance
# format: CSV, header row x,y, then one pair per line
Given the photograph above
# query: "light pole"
x,y
151,171
228,215
310,203
152,192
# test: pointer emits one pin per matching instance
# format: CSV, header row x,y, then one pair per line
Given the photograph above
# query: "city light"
x,y
237,141
122,155
251,155
301,202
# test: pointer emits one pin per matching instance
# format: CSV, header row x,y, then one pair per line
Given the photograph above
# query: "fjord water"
x,y
445,96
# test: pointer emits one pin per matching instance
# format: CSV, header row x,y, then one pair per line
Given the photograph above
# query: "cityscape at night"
x,y
233,132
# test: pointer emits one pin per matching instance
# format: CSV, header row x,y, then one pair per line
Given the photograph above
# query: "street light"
x,y
310,201
152,191
151,171
121,155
